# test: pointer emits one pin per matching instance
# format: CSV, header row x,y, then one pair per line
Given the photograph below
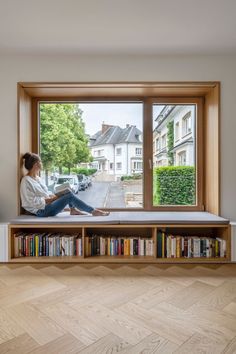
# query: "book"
x,y
62,189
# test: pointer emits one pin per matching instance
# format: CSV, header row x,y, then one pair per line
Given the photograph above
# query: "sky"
x,y
94,114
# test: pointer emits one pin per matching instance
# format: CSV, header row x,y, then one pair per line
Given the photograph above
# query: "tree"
x,y
62,136
170,143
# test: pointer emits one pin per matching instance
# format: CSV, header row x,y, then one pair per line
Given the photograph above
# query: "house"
x,y
183,149
117,151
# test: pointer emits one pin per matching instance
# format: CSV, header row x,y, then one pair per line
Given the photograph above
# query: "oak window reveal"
x,y
205,96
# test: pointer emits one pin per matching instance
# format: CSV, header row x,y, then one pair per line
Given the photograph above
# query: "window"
x,y
100,153
73,142
186,124
45,94
173,185
177,131
81,144
157,144
137,166
182,158
163,141
97,153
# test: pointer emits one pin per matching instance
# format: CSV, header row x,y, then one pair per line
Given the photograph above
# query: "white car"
x,y
72,179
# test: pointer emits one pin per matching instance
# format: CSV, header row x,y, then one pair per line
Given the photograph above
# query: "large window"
x,y
133,159
102,141
204,96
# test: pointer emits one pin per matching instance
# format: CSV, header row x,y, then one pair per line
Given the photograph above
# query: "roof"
x,y
117,135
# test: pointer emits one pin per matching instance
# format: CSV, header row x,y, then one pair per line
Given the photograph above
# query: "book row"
x,y
96,245
171,246
47,244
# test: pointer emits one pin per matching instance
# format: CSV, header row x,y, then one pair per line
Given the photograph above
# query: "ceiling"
x,y
118,27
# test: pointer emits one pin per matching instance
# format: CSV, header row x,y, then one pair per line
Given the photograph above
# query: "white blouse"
x,y
33,193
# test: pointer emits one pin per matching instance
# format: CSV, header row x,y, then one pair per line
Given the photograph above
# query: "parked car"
x,y
89,180
83,182
72,179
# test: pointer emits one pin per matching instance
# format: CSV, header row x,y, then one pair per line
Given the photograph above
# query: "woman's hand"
x,y
50,199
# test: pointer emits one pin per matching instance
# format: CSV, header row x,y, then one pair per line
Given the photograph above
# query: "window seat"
x,y
131,237
126,218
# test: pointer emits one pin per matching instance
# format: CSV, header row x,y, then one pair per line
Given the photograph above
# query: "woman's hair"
x,y
29,159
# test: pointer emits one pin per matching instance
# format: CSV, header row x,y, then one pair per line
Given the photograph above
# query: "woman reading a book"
x,y
37,200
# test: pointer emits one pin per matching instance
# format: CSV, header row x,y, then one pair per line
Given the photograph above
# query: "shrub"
x,y
174,185
84,171
132,177
80,170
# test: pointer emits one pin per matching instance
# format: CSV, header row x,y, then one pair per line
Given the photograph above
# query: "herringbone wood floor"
x,y
92,309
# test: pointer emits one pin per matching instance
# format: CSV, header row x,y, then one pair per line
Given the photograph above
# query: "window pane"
x,y
102,140
174,154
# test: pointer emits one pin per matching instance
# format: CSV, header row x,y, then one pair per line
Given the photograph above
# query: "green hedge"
x,y
174,185
80,170
131,177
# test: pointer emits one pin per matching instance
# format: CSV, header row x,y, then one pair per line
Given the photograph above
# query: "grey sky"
x,y
113,113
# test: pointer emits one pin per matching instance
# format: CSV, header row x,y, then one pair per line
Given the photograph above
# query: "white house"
x,y
183,118
117,151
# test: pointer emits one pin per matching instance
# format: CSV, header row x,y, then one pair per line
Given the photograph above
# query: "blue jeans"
x,y
59,204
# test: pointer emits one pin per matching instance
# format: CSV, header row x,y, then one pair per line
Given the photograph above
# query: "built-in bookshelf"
x,y
192,243
107,243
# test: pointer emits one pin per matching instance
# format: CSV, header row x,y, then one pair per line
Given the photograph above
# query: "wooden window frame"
x,y
208,197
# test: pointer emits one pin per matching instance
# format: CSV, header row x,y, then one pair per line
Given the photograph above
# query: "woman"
x,y
37,200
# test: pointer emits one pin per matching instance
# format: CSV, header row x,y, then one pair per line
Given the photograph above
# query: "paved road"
x,y
107,194
115,196
96,194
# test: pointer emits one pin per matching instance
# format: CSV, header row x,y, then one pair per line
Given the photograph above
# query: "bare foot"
x,y
74,211
97,212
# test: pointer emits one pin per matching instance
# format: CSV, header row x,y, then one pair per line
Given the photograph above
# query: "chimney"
x,y
105,127
127,125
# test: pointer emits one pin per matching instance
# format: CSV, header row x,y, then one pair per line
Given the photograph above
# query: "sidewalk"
x,y
124,194
115,197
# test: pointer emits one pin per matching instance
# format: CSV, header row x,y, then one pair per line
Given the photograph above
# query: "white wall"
x,y
3,242
130,68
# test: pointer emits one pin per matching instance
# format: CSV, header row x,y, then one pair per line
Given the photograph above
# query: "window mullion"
x,y
147,155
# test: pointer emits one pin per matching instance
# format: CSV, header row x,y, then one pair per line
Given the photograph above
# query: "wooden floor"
x,y
91,309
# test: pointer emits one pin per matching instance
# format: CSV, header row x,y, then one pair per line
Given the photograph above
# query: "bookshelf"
x,y
102,243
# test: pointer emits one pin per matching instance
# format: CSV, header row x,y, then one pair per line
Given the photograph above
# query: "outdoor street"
x,y
108,194
104,195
